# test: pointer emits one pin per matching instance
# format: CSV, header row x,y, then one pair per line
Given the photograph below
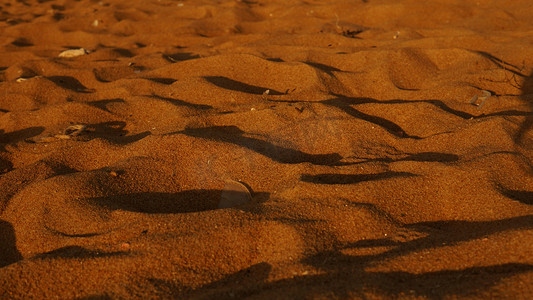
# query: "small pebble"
x,y
125,246
74,52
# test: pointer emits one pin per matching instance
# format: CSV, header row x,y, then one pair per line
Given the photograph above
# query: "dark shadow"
x,y
230,84
527,96
250,2
57,7
421,157
14,137
5,166
119,51
325,68
525,197
510,113
78,252
180,56
242,284
499,62
58,16
19,135
352,178
351,282
344,275
293,221
114,132
162,80
170,289
234,135
102,104
123,52
431,157
239,285
438,234
352,33
345,104
181,103
70,83
15,21
8,248
95,297
22,42
162,203
458,231
69,235
168,203
106,75
275,59
225,112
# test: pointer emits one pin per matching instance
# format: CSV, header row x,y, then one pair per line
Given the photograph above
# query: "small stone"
x,y
125,246
74,52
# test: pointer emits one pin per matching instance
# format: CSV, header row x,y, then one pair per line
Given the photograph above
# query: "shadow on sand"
x,y
527,124
8,249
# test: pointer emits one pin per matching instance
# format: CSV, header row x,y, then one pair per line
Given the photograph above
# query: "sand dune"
x,y
387,147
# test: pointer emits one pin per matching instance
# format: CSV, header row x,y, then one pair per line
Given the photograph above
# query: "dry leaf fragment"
x,y
74,52
74,130
234,194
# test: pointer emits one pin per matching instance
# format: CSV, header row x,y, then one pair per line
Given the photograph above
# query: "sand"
x,y
386,146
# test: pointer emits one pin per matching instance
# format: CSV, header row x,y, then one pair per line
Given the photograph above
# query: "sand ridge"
x,y
349,123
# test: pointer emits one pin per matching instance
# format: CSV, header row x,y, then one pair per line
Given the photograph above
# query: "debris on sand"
x,y
484,96
234,194
74,52
68,133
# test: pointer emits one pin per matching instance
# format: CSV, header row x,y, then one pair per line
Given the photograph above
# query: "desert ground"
x,y
266,149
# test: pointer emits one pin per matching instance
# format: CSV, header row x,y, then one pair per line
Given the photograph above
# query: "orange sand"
x,y
372,174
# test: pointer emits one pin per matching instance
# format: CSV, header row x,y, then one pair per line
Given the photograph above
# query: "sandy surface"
x,y
372,174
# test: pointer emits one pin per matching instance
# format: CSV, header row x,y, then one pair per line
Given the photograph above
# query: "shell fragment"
x,y
74,52
234,194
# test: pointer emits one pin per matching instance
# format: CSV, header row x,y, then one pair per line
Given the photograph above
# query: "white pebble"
x,y
74,52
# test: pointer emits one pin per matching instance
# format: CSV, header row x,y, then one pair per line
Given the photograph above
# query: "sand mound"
x,y
373,149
